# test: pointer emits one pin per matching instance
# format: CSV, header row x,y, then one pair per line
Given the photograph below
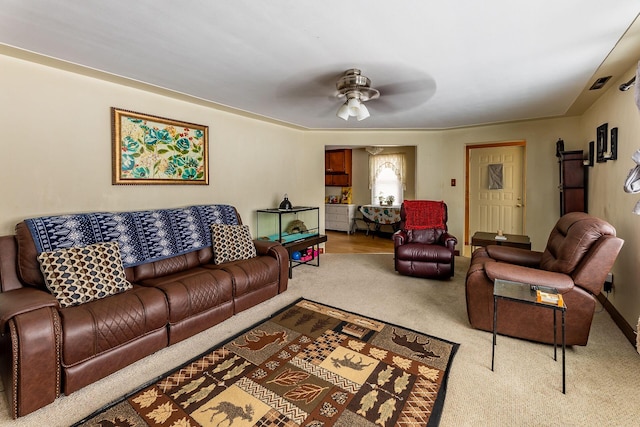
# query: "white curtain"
x,y
396,162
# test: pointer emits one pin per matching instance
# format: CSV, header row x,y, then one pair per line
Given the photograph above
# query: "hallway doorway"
x,y
495,189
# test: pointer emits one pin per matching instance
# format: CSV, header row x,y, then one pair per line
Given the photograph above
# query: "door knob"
x,y
518,205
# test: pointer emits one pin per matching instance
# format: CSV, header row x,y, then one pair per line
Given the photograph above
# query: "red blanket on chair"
x,y
424,214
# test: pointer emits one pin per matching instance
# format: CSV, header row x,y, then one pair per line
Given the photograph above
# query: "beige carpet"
x,y
603,378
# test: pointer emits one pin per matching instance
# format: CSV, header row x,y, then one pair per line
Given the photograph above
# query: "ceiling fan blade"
x,y
409,86
306,85
403,96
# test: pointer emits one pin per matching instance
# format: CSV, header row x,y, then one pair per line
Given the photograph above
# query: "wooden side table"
x,y
483,238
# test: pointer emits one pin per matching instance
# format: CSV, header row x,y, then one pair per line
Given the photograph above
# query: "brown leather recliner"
x,y
580,252
422,246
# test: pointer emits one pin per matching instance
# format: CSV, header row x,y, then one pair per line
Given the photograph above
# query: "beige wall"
x,y
607,198
56,158
542,202
440,156
56,150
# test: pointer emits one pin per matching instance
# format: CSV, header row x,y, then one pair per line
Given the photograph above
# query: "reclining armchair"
x,y
422,245
580,252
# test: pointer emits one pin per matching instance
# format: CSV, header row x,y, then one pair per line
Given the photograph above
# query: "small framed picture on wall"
x,y
601,142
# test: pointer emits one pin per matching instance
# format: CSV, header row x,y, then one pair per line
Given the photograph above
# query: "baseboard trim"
x,y
620,321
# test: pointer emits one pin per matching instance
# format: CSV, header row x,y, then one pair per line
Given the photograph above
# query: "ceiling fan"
x,y
397,90
357,89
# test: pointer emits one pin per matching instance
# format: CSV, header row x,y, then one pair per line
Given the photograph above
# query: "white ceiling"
x,y
437,64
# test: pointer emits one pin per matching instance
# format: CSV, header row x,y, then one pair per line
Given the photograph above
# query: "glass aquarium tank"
x,y
288,225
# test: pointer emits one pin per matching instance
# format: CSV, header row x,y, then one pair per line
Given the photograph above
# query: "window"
x,y
387,178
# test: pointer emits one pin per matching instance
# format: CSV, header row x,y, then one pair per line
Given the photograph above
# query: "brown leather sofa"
x,y
47,350
580,251
428,252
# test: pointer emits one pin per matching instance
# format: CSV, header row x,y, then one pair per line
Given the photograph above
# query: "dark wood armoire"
x,y
573,182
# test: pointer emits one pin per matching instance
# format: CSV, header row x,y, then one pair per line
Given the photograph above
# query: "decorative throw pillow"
x,y
231,243
79,275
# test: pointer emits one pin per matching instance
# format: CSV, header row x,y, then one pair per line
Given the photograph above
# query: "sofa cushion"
x,y
193,291
425,237
28,265
171,265
572,237
93,329
198,298
231,243
416,252
79,275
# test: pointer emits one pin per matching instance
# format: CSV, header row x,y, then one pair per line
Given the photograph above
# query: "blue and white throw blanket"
x,y
143,236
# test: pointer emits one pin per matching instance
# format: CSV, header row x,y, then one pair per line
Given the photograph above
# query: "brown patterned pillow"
x,y
231,243
78,275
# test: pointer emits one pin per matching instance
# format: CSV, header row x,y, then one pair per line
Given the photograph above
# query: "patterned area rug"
x,y
308,365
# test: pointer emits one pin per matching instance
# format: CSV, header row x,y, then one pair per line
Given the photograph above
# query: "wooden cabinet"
x,y
337,168
335,161
340,180
573,182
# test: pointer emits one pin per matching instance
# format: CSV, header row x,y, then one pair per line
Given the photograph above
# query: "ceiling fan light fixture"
x,y
343,111
363,112
354,106
357,89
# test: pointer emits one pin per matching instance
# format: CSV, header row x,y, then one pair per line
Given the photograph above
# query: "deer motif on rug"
x,y
231,412
348,362
420,349
257,340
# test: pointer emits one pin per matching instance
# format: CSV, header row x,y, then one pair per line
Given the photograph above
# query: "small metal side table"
x,y
526,294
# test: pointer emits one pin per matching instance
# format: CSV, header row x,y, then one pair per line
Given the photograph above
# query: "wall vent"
x,y
599,83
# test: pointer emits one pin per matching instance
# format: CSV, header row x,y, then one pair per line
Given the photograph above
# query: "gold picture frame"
x,y
156,150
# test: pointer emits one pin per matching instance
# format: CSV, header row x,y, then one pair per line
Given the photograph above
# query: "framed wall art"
x,y
614,144
155,150
601,142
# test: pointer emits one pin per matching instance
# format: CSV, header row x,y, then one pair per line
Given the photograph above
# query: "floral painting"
x,y
155,150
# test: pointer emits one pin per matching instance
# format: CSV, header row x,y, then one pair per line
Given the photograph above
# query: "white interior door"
x,y
491,209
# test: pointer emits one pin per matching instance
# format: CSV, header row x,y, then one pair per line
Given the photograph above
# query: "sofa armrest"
x,y
516,273
263,246
23,300
399,238
277,251
448,241
518,256
31,370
